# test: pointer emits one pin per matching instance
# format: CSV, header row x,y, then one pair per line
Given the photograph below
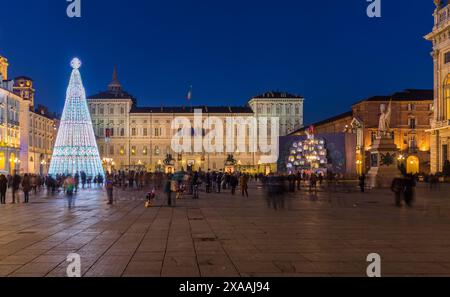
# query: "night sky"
x,y
230,50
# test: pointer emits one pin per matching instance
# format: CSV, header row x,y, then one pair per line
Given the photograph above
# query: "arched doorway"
x,y
412,165
12,163
2,161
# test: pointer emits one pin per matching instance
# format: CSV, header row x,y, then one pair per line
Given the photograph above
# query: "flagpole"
x,y
189,97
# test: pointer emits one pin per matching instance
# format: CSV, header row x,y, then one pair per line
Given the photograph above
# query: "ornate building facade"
x,y
26,135
287,107
411,118
440,128
13,111
43,128
132,137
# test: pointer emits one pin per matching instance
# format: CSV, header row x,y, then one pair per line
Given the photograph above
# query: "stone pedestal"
x,y
383,163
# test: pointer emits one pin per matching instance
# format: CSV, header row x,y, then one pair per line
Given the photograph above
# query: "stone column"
x,y
24,120
434,151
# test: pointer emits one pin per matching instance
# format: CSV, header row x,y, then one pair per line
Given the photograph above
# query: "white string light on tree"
x,y
76,148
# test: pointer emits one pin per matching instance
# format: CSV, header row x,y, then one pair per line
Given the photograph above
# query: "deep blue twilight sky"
x,y
328,51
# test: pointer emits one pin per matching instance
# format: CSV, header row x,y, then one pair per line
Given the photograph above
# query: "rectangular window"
x,y
133,131
133,150
447,57
412,142
145,131
156,132
444,152
122,132
145,151
412,123
111,150
373,136
122,151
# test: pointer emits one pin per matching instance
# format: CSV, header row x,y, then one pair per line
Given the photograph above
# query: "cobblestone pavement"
x,y
328,234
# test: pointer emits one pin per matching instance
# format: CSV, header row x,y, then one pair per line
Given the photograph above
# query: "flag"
x,y
189,94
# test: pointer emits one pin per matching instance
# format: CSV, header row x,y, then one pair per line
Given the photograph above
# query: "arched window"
x,y
445,112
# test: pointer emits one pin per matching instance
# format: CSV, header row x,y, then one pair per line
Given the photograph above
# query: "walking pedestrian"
x,y
26,188
397,187
219,181
69,185
244,185
34,183
313,182
362,182
168,191
3,187
15,186
233,183
109,184
195,183
409,183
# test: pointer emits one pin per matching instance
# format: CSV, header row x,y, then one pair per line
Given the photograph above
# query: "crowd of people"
x,y
180,184
27,183
16,182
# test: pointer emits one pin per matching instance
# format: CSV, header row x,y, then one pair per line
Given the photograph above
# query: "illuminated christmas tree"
x,y
75,148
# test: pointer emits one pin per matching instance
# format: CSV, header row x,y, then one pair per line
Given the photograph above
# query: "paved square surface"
x,y
328,234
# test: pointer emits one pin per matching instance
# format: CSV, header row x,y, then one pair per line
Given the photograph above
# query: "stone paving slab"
x,y
328,234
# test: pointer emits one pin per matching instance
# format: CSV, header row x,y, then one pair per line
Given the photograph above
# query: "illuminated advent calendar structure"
x,y
308,154
76,148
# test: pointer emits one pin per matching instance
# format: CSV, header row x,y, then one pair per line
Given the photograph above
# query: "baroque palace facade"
x,y
139,138
27,134
411,118
440,127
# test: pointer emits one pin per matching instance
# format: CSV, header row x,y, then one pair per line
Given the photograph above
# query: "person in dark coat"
x,y
3,187
233,183
15,186
168,191
243,181
298,177
219,181
362,182
26,188
397,187
195,184
408,194
109,184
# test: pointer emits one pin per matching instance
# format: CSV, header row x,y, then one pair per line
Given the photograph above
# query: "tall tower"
x,y
440,127
76,148
4,68
114,85
23,87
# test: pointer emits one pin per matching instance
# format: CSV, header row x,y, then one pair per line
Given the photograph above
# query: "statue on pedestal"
x,y
385,120
438,3
383,152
